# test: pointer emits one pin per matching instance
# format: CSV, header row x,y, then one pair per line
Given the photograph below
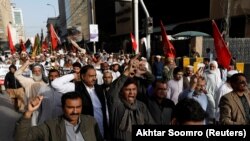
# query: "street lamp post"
x,y
148,49
52,7
136,24
93,19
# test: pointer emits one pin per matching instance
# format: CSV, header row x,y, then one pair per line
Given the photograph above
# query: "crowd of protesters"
x,y
81,96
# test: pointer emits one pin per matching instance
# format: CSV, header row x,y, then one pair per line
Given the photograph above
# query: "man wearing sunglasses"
x,y
235,106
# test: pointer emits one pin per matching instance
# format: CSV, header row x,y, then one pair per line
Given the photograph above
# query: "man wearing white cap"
x,y
53,63
115,70
188,73
222,90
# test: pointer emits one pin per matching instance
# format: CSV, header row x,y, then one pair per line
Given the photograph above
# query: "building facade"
x,y
5,19
76,14
18,24
115,18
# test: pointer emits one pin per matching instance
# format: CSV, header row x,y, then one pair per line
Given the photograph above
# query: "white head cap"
x,y
143,58
115,63
158,56
190,66
231,73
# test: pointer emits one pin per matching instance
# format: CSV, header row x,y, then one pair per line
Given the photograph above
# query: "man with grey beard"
x,y
31,84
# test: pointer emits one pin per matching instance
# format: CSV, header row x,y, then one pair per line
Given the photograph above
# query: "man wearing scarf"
x,y
125,109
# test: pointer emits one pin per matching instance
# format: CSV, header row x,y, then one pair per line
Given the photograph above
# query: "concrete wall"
x,y
197,43
218,8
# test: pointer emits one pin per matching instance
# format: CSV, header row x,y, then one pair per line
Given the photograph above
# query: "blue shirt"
x,y
201,98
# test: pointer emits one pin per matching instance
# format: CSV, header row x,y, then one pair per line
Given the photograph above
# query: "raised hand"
x,y
193,81
132,66
142,69
199,72
30,61
34,103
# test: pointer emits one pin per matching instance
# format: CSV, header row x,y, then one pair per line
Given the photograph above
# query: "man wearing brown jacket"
x,y
235,106
72,126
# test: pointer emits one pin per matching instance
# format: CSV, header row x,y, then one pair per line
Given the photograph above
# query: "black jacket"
x,y
88,106
10,82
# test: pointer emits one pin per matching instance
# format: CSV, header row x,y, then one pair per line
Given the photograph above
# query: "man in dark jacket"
x,y
14,89
69,127
158,105
125,109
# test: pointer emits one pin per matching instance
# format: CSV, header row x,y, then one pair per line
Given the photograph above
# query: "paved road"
x,y
8,118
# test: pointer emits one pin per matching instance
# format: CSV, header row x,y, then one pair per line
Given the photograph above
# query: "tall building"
x,y
5,19
75,15
18,24
115,19
62,17
197,15
80,14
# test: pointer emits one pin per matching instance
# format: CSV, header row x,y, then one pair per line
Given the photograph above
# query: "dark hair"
x,y
158,81
70,95
206,59
53,70
77,64
234,78
176,70
12,66
129,81
84,69
188,109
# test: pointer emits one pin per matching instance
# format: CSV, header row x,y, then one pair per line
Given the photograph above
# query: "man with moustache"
x,y
124,107
198,92
71,126
107,81
235,105
92,94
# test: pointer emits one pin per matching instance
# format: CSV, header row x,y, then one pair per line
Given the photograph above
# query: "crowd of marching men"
x,y
80,96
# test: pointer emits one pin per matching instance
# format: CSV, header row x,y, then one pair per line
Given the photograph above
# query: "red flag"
x,y
134,44
44,46
11,46
54,37
22,45
168,48
222,52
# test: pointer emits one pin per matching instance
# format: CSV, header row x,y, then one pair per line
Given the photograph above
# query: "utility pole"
x,y
227,20
52,7
93,20
136,25
148,49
